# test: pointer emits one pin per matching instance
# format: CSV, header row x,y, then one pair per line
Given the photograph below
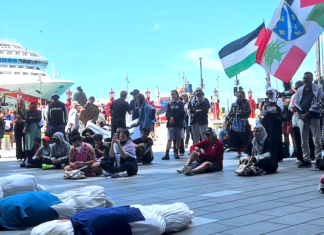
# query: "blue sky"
x,y
94,43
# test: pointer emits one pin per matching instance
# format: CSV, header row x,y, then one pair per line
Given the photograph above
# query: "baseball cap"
x,y
55,95
92,98
135,92
210,130
46,138
200,93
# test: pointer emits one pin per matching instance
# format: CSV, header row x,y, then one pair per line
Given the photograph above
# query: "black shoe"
x,y
305,164
166,157
318,163
176,156
22,165
186,146
138,161
294,155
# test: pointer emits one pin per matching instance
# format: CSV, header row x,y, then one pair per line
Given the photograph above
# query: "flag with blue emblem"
x,y
292,32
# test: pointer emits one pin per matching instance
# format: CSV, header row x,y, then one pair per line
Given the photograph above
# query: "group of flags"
x,y
281,48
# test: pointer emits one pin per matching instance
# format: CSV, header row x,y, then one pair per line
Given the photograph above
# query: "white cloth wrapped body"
x,y
18,184
81,199
176,216
54,227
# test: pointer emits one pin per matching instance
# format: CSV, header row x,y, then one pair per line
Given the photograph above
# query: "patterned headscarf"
x,y
259,143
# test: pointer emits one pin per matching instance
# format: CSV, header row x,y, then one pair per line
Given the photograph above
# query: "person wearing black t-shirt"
x,y
134,104
144,153
118,110
175,116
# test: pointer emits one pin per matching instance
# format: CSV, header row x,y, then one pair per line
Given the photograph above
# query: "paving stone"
x,y
255,229
296,218
246,220
300,229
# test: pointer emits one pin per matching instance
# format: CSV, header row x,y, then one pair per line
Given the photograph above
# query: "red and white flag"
x,y
293,30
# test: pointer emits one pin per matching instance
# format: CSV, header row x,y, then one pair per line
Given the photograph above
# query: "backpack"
x,y
153,112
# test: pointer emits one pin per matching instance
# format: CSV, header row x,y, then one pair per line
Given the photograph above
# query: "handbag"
x,y
248,169
239,124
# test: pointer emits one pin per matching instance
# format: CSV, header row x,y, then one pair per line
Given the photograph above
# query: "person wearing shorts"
x,y
205,156
175,116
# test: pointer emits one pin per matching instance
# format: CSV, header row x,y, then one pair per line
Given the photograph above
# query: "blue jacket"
x,y
145,116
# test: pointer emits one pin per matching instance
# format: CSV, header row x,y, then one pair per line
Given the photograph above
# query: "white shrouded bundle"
x,y
81,199
158,220
18,184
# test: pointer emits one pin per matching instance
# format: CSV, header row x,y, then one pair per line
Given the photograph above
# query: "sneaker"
x,y
166,157
22,165
186,146
46,167
106,173
181,154
188,171
176,156
298,161
63,166
313,161
118,175
305,164
181,170
294,155
318,162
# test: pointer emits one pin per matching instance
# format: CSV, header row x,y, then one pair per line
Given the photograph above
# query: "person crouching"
x,y
82,156
205,156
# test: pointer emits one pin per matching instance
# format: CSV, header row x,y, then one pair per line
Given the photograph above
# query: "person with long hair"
x,y
33,117
9,118
19,124
240,109
175,116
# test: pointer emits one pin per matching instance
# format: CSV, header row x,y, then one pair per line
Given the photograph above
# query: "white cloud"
x,y
210,58
156,26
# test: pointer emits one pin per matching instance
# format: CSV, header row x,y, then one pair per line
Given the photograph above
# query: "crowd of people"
x,y
294,113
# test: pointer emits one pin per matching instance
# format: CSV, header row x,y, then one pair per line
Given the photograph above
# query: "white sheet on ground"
x,y
81,199
54,227
153,223
177,216
17,184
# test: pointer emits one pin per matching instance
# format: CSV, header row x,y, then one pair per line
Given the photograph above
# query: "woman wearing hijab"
x,y
240,109
33,117
271,110
19,116
260,151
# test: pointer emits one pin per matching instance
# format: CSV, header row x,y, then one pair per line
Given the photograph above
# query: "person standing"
x,y
240,109
57,116
145,111
73,123
118,110
134,105
33,117
19,124
91,101
45,117
175,116
200,112
187,119
80,96
9,118
308,104
271,110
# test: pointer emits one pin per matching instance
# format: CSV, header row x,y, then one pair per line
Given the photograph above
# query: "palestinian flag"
x,y
293,30
241,54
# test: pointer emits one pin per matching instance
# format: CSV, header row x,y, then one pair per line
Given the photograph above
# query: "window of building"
x,y
25,53
25,73
43,74
17,73
9,52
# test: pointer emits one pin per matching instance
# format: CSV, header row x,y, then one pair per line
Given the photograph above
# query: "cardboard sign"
x,y
98,130
90,113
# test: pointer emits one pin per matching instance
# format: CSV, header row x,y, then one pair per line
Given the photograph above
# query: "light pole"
x,y
127,85
40,91
201,79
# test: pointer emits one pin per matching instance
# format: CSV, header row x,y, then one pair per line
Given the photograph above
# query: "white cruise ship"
x,y
22,73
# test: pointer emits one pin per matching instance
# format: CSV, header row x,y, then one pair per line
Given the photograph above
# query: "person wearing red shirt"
x,y
205,156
